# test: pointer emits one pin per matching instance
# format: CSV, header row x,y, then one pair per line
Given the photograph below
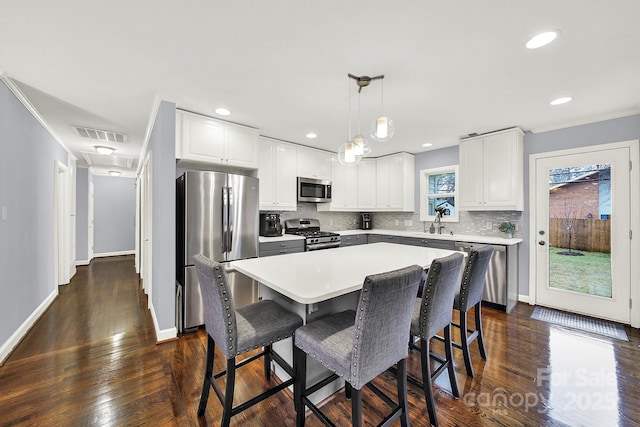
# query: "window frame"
x,y
424,196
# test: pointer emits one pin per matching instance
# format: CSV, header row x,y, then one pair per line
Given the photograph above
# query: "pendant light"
x,y
352,151
383,128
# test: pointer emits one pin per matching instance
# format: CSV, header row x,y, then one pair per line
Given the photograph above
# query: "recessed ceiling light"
x,y
560,101
427,144
104,150
114,173
222,111
311,135
542,39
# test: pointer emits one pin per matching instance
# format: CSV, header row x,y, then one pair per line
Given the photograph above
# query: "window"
x,y
439,190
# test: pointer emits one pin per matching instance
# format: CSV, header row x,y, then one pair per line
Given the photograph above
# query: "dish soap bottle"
x,y
432,229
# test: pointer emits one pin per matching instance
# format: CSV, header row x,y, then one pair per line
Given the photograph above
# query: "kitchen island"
x,y
317,283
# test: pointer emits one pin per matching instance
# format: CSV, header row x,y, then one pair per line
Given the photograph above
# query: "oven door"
x,y
314,190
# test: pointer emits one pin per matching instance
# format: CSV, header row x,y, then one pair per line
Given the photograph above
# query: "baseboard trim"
x,y
523,298
83,262
13,341
164,334
119,253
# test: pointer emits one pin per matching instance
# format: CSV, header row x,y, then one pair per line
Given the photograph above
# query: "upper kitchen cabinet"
x,y
344,187
367,185
314,163
206,140
277,175
491,172
395,183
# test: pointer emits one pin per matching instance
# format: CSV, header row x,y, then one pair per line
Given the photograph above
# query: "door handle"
x,y
541,242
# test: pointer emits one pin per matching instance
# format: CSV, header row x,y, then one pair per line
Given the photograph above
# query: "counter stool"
x,y
237,331
470,295
431,314
358,346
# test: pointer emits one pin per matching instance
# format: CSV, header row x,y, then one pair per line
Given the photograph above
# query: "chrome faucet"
x,y
438,221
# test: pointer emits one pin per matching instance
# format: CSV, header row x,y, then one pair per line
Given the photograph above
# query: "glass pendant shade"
x,y
361,146
382,129
347,154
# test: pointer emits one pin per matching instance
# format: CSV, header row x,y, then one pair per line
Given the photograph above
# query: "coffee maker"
x,y
270,225
366,223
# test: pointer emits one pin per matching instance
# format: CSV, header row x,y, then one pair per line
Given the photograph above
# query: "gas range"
x,y
310,230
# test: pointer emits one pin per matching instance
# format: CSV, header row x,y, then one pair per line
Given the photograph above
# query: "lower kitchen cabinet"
x,y
428,243
281,247
358,239
375,238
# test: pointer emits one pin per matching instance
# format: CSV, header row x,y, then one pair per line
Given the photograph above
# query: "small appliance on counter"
x,y
270,225
366,223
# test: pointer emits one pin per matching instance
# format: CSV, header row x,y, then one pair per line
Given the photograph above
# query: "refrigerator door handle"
x,y
225,221
230,216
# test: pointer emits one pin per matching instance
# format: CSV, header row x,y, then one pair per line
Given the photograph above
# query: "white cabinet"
x,y
314,163
395,183
344,187
277,175
491,172
206,140
367,184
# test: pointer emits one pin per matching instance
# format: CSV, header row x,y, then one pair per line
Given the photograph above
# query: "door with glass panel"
x,y
582,242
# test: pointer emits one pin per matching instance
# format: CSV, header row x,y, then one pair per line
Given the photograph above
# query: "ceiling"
x,y
451,67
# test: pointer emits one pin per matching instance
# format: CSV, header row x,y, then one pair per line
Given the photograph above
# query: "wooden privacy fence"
x,y
589,234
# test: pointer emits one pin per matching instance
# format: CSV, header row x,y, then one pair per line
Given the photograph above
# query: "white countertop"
x,y
310,277
473,238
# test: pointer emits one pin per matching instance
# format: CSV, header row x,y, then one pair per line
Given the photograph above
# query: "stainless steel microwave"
x,y
314,190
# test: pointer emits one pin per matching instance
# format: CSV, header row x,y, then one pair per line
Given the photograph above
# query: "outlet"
x,y
516,224
4,213
489,225
397,222
408,223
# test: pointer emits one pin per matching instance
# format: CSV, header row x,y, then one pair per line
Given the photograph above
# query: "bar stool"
x,y
360,345
238,331
470,295
431,314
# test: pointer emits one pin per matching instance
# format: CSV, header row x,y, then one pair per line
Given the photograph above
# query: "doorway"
x,y
581,204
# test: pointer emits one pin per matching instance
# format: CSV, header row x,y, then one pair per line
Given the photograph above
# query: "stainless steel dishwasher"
x,y
495,285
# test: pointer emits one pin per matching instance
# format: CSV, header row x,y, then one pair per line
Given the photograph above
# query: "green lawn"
x,y
589,274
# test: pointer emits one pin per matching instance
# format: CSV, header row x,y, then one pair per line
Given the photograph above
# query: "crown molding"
x,y
13,87
593,119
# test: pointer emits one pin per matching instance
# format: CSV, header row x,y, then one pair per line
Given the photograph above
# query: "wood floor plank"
x,y
92,359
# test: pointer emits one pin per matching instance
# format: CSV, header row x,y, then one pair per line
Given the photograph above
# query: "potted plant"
x,y
507,227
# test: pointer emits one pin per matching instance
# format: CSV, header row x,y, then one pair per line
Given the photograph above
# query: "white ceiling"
x,y
451,67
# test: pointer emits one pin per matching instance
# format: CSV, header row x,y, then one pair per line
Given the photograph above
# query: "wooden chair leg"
x,y
228,395
464,343
401,378
478,318
208,375
449,356
300,384
356,407
427,382
267,362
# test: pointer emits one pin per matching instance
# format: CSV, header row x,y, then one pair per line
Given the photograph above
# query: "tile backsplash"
x,y
470,222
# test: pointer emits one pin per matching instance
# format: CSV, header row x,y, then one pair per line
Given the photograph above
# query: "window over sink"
x,y
439,191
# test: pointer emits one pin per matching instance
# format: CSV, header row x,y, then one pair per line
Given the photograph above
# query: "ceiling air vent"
x,y
100,135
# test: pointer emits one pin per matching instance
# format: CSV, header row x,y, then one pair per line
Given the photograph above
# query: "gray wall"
x,y
114,203
27,158
162,148
82,215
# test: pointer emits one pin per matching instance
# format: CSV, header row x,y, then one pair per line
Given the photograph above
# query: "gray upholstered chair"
x,y
237,331
360,345
432,313
470,295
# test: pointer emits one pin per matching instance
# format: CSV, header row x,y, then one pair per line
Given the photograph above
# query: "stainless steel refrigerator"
x,y
217,216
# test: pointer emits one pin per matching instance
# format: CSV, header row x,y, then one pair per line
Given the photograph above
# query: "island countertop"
x,y
311,277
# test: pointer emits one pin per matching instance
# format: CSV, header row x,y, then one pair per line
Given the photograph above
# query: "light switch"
x,y
4,213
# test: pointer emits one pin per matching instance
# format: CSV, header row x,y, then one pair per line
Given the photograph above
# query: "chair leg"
x,y
228,395
464,343
356,407
427,382
478,317
300,384
208,375
449,356
401,378
267,362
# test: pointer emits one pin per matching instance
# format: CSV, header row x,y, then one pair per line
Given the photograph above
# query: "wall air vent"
x,y
95,159
99,135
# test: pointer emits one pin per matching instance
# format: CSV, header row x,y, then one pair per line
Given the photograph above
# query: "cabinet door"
x,y
285,176
471,173
344,185
202,139
395,182
241,146
367,184
500,170
382,183
313,163
266,173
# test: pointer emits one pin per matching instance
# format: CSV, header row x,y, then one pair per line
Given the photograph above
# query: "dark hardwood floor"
x,y
92,360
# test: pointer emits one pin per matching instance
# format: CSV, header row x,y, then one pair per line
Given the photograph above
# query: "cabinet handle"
x,y
283,245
